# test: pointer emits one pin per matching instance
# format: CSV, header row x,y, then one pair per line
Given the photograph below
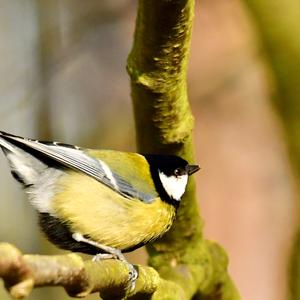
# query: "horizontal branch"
x,y
207,274
21,273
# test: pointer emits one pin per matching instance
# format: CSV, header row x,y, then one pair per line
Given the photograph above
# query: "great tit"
x,y
99,202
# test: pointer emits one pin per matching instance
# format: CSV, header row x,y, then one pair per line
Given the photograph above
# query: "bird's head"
x,y
170,174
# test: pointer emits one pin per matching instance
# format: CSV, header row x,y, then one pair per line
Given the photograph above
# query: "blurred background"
x,y
63,77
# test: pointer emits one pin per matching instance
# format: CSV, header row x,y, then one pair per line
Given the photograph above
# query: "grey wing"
x,y
128,190
74,157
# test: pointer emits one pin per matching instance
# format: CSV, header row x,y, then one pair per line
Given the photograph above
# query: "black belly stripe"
x,y
60,234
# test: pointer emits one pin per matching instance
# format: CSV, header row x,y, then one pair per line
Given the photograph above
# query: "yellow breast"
x,y
106,217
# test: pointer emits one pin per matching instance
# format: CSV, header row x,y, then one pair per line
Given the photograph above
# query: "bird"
x,y
99,202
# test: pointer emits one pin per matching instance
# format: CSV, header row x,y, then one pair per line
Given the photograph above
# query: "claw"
x,y
110,252
133,276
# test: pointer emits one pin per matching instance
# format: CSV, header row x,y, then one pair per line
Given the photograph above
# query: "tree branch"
x,y
278,23
21,273
157,66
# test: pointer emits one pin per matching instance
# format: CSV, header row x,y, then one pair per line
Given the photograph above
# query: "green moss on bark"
x,y
157,66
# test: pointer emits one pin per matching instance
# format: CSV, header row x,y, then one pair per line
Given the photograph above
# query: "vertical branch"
x,y
157,66
279,25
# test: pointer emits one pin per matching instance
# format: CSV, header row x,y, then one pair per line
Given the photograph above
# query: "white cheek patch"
x,y
174,186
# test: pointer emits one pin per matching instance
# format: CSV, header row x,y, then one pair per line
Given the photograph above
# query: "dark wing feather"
x,y
73,157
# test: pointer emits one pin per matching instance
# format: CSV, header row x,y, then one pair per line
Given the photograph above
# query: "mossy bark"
x,y
21,273
157,66
279,25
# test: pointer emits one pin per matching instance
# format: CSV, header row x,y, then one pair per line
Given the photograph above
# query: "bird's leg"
x,y
110,252
100,256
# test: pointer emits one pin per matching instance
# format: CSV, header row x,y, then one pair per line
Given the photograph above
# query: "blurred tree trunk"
x,y
279,25
49,43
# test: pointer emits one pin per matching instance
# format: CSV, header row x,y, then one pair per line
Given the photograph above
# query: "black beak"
x,y
191,169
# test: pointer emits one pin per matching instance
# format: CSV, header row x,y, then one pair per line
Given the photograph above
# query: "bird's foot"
x,y
117,254
133,273
110,252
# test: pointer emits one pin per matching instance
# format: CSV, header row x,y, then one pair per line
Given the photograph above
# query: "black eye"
x,y
178,172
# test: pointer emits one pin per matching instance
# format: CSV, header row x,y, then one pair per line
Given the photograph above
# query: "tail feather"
x,y
32,169
24,166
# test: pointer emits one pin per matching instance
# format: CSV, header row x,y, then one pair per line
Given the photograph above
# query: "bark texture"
x,y
21,273
157,66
